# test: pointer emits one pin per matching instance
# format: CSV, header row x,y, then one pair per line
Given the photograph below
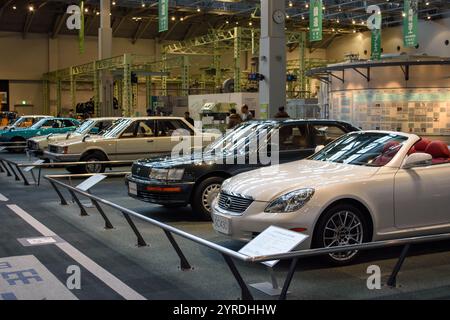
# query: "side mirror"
x,y
319,148
417,160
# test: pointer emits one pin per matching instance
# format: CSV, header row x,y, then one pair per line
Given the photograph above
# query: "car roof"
x,y
104,118
293,120
155,118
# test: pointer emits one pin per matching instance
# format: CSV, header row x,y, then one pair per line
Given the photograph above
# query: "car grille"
x,y
234,203
139,171
53,149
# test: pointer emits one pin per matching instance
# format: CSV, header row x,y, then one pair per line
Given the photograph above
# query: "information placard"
x,y
273,240
89,183
33,165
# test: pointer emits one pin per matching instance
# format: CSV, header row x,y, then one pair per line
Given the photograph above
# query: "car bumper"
x,y
254,220
34,153
59,157
152,191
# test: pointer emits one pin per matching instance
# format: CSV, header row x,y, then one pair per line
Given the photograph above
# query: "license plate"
x,y
132,188
221,224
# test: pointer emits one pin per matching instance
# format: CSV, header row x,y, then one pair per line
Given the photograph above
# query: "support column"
x,y
217,67
58,96
272,65
46,96
302,65
164,78
95,85
237,59
126,86
105,52
148,92
73,90
185,76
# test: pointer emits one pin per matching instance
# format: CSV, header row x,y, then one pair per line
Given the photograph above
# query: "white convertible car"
x,y
365,186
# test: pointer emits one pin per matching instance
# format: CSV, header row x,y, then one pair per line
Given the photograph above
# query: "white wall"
x,y
432,36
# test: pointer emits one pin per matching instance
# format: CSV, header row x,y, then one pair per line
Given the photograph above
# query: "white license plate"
x,y
222,224
132,188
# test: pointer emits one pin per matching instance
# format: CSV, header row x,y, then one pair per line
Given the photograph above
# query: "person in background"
x,y
150,112
187,117
71,114
281,113
246,114
234,119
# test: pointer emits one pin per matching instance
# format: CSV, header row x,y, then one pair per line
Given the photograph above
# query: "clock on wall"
x,y
279,16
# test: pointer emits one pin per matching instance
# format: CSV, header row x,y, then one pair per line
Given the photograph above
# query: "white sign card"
x,y
38,162
89,183
273,240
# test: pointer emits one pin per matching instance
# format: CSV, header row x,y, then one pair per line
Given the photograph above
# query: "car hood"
x,y
181,161
56,137
268,183
79,139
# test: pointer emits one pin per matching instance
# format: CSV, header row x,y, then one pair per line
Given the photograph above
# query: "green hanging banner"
x,y
411,8
163,10
81,31
315,20
376,45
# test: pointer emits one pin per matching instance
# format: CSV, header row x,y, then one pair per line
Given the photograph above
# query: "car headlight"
x,y
166,174
63,150
291,201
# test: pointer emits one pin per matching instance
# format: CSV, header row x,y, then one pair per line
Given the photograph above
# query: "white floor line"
x,y
110,280
3,198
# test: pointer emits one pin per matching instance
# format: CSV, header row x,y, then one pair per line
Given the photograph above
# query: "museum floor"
x,y
118,269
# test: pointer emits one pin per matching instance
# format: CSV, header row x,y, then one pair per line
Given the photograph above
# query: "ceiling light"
x,y
306,5
86,10
250,23
427,3
173,18
353,21
182,19
198,9
30,8
113,3
291,4
143,5
14,7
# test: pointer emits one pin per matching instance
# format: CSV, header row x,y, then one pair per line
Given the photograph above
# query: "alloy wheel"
x,y
343,228
209,194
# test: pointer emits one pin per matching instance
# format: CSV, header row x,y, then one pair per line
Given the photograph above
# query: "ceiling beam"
x,y
169,32
4,6
27,24
143,25
57,24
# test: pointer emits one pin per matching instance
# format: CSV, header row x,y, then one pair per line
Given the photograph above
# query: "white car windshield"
x,y
84,127
363,149
117,128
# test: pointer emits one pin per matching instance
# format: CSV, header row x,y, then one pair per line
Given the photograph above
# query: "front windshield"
x,y
84,127
114,130
240,138
363,149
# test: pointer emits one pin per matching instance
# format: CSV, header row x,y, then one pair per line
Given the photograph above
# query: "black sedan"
x,y
196,178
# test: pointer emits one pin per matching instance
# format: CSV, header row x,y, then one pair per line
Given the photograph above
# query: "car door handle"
x,y
150,141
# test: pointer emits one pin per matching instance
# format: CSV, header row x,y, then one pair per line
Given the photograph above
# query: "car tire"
x,y
342,224
75,169
17,150
93,157
203,195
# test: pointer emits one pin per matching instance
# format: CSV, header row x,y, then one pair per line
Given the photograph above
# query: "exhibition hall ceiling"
x,y
190,18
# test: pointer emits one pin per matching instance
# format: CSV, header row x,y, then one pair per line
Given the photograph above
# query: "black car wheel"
x,y
94,167
204,195
341,225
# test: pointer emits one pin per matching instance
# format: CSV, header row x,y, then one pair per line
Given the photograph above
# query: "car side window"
x,y
67,123
294,137
323,134
48,124
101,125
167,128
129,132
146,129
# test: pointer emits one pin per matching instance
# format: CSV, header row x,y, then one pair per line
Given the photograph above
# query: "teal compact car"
x,y
41,128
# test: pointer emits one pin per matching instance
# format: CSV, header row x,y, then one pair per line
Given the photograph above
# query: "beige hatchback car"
x,y
128,139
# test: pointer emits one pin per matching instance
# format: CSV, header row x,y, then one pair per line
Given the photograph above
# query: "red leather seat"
x,y
389,151
420,146
439,151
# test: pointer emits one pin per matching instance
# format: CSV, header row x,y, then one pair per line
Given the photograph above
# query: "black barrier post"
x,y
13,171
140,241
25,180
245,292
108,224
63,200
6,168
83,212
288,280
392,281
184,264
